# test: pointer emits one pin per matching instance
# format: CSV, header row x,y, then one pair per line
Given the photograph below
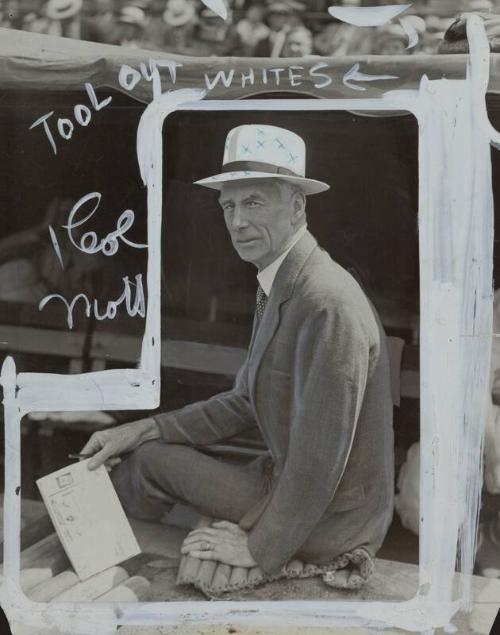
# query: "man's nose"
x,y
239,220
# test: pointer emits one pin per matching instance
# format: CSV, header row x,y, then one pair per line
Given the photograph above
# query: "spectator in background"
x,y
101,25
434,33
180,18
131,21
473,6
10,14
338,39
155,29
251,29
455,38
279,19
391,39
29,269
175,26
56,17
29,11
298,43
214,36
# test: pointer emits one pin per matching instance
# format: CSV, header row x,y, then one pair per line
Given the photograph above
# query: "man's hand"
x,y
223,541
107,445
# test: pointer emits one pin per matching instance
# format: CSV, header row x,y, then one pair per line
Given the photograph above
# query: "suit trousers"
x,y
157,475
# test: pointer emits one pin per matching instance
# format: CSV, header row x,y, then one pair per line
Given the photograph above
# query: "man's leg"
x,y
157,475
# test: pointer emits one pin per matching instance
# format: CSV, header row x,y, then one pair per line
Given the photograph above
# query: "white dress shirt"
x,y
268,274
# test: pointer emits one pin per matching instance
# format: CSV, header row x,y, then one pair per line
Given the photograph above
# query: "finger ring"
x,y
206,546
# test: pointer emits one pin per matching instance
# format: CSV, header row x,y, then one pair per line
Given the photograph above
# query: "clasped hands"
x,y
223,541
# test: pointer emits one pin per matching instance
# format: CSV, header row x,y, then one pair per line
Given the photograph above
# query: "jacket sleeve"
x,y
208,421
329,378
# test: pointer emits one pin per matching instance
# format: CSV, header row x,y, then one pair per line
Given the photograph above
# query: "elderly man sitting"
x,y
315,382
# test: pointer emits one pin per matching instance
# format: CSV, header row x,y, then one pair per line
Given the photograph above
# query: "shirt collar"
x,y
267,275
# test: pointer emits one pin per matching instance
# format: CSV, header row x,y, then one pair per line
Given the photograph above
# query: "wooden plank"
x,y
24,339
223,333
115,347
181,354
208,358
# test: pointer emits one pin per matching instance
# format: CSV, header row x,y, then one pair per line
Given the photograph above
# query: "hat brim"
x,y
54,12
179,20
308,186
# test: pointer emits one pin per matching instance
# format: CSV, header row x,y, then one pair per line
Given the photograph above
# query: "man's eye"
x,y
253,204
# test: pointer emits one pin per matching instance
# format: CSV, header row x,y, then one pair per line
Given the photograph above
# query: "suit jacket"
x,y
316,382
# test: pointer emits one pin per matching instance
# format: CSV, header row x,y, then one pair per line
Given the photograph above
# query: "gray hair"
x,y
287,188
287,191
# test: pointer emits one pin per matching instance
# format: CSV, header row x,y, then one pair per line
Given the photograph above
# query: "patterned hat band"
x,y
257,166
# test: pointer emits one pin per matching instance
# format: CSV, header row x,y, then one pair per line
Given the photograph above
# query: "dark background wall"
x,y
367,220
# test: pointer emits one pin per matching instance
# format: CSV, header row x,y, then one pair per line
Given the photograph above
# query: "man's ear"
x,y
299,207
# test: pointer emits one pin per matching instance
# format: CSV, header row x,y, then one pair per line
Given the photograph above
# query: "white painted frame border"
x,y
456,260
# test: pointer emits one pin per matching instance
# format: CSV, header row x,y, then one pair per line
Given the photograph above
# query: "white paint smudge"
x,y
217,6
368,16
55,245
410,31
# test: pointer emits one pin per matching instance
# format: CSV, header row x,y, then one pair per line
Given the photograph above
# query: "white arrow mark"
x,y
353,75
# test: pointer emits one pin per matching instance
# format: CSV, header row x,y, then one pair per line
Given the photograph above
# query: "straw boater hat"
x,y
179,12
264,152
130,14
62,9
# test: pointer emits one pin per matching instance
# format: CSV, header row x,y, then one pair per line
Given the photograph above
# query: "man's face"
x,y
259,218
277,21
298,44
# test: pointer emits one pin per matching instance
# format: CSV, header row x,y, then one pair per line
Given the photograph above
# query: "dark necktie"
x,y
260,302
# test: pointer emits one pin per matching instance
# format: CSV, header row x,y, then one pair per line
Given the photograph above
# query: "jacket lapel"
x,y
281,291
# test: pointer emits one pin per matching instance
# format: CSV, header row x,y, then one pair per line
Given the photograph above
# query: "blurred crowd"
x,y
260,28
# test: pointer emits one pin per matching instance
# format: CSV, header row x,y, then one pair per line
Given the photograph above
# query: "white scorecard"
x,y
88,518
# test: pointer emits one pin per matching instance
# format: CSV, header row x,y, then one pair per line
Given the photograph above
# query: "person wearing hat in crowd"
x,y
315,381
280,16
131,20
214,36
298,43
391,39
56,17
251,29
10,14
339,39
455,38
181,19
101,24
155,29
